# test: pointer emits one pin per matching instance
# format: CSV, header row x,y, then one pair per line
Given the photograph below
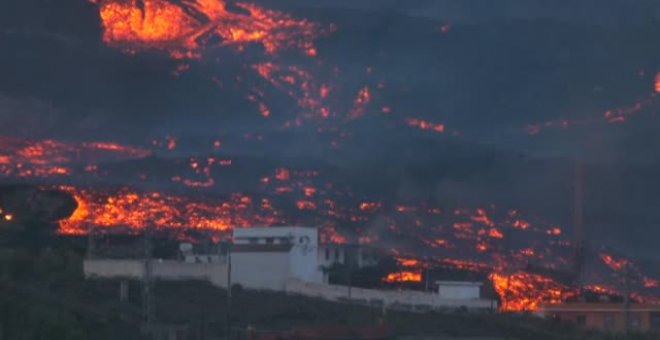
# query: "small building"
x,y
265,258
463,290
606,317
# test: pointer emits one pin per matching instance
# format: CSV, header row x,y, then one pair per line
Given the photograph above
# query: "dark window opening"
x,y
337,254
581,320
327,254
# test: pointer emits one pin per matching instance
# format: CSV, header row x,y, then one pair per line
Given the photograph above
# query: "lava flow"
x,y
521,291
49,158
183,30
474,240
132,211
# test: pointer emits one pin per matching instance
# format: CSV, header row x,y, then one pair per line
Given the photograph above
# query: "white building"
x,y
287,259
265,258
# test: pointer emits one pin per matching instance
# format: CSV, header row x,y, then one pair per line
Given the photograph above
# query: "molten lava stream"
x,y
136,211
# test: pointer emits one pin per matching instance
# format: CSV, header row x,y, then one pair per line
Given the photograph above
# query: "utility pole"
x,y
578,232
147,312
626,297
228,313
349,260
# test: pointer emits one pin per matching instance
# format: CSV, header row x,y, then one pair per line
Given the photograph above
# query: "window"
x,y
655,321
581,320
270,240
253,240
327,254
608,322
336,254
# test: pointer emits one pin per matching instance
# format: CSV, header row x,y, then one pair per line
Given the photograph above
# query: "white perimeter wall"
x,y
386,297
216,273
271,271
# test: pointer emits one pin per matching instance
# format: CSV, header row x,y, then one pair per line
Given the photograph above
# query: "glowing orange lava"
x,y
425,125
183,29
404,276
523,291
48,158
135,211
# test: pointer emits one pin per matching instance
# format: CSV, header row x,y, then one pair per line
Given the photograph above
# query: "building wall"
x,y
133,269
393,299
304,263
276,234
261,270
451,290
164,270
271,271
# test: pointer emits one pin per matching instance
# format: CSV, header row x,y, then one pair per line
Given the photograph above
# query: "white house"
x,y
266,258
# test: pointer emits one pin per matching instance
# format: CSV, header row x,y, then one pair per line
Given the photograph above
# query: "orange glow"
x,y
425,125
522,291
650,283
481,217
554,232
135,211
494,233
48,158
310,192
657,83
306,205
329,235
614,264
370,206
404,276
282,175
183,29
265,111
408,262
9,217
171,143
360,104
